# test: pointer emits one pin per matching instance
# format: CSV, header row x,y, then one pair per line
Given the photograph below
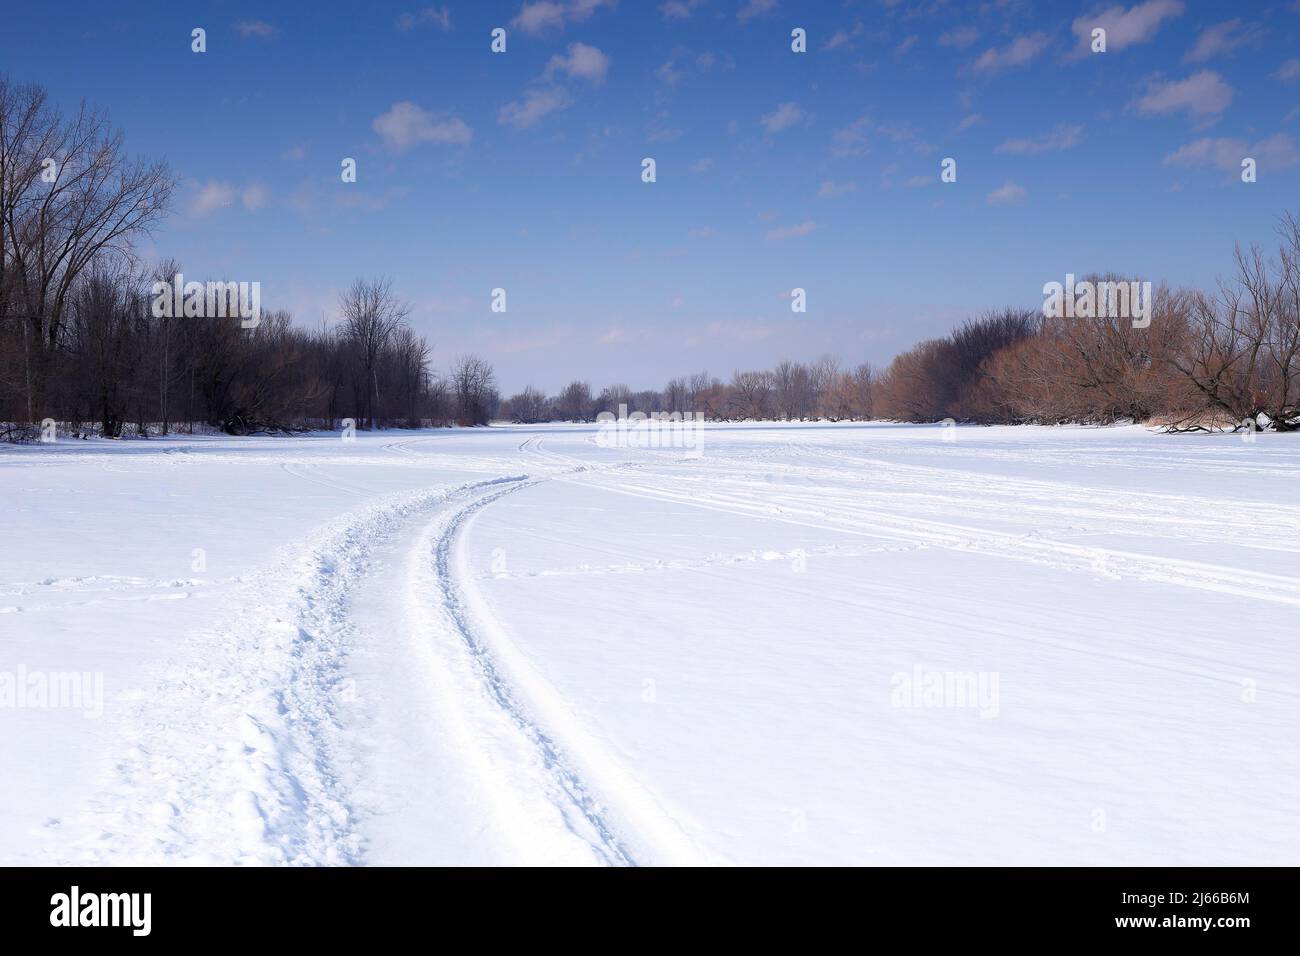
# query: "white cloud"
x,y
1290,70
678,9
535,105
1222,38
851,140
1008,193
682,62
1138,24
833,190
548,96
791,232
968,121
214,195
1063,136
438,16
660,129
258,29
959,37
544,15
539,17
1202,94
583,61
755,8
669,72
406,124
702,165
783,117
211,196
254,197
1276,152
843,38
1019,52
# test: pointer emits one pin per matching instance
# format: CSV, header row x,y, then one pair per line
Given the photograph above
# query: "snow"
x,y
807,644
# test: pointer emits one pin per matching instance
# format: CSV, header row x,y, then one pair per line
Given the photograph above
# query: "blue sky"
x,y
819,170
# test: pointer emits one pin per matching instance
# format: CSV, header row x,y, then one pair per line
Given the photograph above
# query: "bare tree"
x,y
675,396
473,382
611,397
751,393
411,354
103,311
372,314
528,407
862,384
1243,355
69,195
574,403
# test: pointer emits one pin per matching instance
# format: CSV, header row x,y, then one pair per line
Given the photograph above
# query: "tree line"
x,y
1224,359
79,343
1206,360
792,390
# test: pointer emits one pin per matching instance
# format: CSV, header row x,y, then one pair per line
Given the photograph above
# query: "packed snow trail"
x,y
598,796
579,810
228,759
245,751
515,645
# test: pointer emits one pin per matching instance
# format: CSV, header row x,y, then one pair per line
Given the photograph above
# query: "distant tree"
x,y
411,357
675,396
862,384
105,308
473,384
921,384
527,407
574,403
751,394
372,315
610,398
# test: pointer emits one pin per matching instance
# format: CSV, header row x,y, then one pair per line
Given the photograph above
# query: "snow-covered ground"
x,y
812,644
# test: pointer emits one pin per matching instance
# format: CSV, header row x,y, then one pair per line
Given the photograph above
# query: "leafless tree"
x,y
751,394
473,382
610,398
528,407
862,383
411,357
372,315
1243,354
574,403
69,195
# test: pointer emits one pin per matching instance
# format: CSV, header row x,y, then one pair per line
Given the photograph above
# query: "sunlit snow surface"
x,y
513,645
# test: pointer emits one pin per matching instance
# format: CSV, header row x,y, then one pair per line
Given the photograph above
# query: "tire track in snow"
x,y
582,813
828,513
228,757
311,472
231,756
599,799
